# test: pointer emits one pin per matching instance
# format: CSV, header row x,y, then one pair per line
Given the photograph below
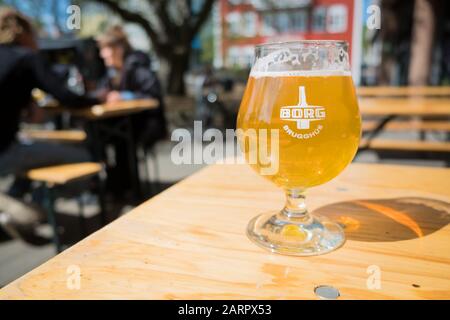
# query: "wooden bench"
x,y
420,107
410,125
403,145
53,176
433,115
106,110
62,174
389,91
69,136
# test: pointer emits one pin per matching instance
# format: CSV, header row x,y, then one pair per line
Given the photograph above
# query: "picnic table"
x,y
107,110
101,132
189,242
424,107
75,136
403,91
424,114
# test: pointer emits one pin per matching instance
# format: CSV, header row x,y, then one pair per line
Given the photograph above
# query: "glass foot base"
x,y
306,236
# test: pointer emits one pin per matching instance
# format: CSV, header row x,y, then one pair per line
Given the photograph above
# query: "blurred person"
x,y
21,70
129,76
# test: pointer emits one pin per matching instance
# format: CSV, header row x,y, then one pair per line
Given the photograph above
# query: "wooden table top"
x,y
409,125
110,109
407,106
189,242
54,135
389,91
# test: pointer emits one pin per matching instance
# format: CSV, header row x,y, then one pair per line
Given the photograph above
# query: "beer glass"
x,y
299,126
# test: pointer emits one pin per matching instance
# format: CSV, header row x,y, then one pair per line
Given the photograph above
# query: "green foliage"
x,y
207,40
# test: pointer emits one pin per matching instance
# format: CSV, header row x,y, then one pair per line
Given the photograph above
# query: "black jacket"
x,y
22,70
138,78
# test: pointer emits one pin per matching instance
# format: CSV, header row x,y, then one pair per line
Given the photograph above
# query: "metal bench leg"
x,y
132,161
49,205
155,165
142,159
81,218
152,175
375,132
101,196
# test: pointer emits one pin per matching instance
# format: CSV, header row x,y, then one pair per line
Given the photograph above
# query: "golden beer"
x,y
318,121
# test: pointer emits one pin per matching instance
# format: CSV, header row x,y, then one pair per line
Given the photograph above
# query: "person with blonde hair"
x,y
21,70
129,76
15,28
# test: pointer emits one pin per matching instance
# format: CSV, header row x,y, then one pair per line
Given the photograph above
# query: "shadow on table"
x,y
388,219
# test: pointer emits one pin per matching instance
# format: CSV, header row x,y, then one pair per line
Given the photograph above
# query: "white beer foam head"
x,y
304,73
307,61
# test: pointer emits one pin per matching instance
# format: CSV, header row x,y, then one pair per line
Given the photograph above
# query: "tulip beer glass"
x,y
299,115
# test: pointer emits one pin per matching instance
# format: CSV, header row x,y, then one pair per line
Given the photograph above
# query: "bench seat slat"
x,y
402,145
62,174
438,125
54,135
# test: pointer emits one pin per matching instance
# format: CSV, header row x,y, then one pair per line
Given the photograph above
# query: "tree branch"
x,y
136,18
161,10
201,17
189,6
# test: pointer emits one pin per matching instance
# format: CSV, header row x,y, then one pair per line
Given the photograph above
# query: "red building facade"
x,y
245,23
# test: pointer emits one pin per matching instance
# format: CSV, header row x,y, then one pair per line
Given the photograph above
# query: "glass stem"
x,y
295,208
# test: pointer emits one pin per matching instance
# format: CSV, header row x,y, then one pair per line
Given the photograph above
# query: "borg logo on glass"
x,y
303,114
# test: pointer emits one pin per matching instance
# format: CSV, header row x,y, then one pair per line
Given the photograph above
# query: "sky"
x,y
43,11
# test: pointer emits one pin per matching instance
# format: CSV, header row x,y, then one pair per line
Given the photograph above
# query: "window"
x,y
337,18
249,24
299,21
233,56
248,56
233,21
283,23
241,56
319,19
242,24
268,24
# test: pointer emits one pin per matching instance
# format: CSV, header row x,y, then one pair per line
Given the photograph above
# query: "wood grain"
x,y
110,109
189,242
62,174
406,107
75,136
411,125
407,145
384,91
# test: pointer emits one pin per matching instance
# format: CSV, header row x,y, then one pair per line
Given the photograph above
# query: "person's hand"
x,y
113,96
101,94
